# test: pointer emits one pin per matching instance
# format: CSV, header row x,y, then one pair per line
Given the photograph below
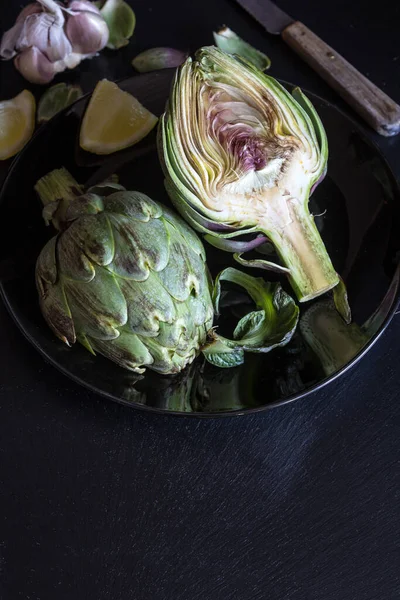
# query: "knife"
x,y
371,103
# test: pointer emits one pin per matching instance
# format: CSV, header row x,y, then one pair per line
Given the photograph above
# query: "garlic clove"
x,y
87,32
59,46
34,66
40,31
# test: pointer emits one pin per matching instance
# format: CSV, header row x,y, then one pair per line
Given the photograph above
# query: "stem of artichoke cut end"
x,y
303,251
58,185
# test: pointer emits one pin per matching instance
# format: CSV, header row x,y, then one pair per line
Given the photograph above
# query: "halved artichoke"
x,y
242,155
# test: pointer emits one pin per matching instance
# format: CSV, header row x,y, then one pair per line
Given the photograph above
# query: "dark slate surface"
x,y
101,502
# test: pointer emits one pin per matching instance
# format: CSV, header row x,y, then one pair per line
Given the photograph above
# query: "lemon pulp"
x,y
114,120
17,123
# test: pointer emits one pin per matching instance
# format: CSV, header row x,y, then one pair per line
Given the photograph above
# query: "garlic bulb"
x,y
49,37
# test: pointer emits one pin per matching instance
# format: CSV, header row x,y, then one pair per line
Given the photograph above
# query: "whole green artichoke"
x,y
127,278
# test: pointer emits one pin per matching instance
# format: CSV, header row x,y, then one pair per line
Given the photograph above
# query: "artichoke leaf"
x,y
228,41
127,350
260,263
98,306
221,355
139,247
260,331
237,246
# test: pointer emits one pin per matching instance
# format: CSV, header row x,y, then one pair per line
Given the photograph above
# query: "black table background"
x,y
102,502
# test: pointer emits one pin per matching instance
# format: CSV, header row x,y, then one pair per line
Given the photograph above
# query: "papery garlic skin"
x,y
49,37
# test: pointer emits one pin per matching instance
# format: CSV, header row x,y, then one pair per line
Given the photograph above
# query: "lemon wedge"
x,y
17,123
113,120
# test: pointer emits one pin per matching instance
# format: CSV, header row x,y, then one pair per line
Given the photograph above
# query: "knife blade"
x,y
380,111
268,14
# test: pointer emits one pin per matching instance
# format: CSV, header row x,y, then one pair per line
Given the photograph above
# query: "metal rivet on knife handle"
x,y
371,103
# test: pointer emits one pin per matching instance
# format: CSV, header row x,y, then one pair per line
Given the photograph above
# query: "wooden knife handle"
x,y
380,111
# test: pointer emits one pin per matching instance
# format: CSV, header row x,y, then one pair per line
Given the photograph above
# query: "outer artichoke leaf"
x,y
170,334
149,305
46,264
139,247
183,334
228,41
107,187
231,245
74,264
185,269
201,309
135,205
52,299
57,313
319,129
186,233
50,210
88,204
167,360
99,307
260,263
92,235
127,350
82,339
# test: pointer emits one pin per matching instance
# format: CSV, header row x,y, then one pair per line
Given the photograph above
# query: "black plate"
x,y
359,200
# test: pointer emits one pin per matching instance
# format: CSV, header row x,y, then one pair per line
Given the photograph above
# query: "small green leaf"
x,y
121,22
229,42
248,324
271,326
225,360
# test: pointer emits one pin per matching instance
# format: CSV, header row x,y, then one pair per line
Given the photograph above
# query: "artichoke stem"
x,y
58,186
302,250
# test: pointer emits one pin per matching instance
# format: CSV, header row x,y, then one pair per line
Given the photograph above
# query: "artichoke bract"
x,y
242,155
127,278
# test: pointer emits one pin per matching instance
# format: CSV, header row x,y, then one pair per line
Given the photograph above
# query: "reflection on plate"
x,y
358,208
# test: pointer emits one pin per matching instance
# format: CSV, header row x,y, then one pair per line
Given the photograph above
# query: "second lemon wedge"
x,y
113,120
17,123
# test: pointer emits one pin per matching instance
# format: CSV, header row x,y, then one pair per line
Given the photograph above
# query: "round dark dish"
x,y
358,204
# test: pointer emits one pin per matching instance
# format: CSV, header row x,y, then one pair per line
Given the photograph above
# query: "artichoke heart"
x,y
242,155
